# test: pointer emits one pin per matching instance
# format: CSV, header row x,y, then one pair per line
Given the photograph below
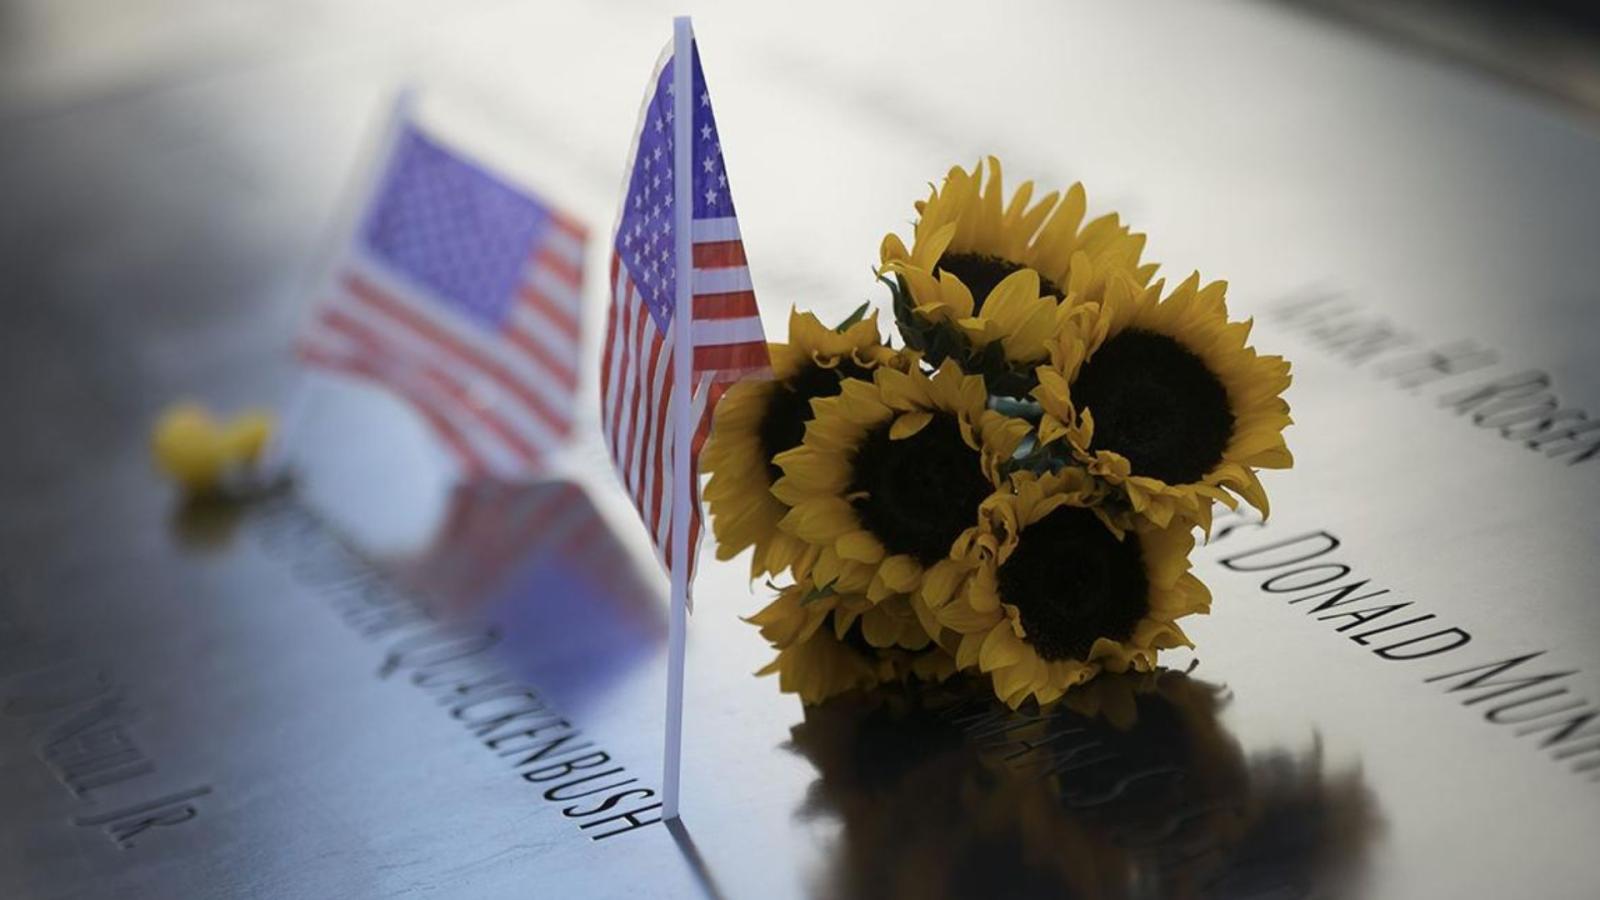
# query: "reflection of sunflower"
x,y
1165,399
829,643
944,793
757,420
983,270
1113,698
1062,593
889,477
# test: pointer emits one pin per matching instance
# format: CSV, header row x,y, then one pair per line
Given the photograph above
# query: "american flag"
x,y
460,293
637,372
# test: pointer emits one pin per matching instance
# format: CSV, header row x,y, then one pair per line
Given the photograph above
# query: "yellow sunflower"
x,y
1165,399
1063,592
830,643
889,478
820,667
983,269
757,420
801,609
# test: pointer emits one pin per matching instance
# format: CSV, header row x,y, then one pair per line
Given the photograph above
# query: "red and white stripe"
x,y
501,400
729,342
636,379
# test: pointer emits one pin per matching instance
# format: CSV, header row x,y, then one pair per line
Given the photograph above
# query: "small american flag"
x,y
460,293
637,372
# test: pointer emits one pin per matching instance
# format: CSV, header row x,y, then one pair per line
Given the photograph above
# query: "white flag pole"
x,y
682,419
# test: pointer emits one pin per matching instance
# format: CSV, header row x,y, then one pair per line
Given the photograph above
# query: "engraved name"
x,y
1519,406
453,664
79,718
1517,692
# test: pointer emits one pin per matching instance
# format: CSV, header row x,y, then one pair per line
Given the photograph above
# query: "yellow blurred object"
x,y
247,435
197,451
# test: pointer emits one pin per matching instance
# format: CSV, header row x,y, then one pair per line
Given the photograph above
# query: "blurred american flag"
x,y
460,293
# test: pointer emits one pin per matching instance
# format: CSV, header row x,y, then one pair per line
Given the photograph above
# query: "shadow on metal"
x,y
691,855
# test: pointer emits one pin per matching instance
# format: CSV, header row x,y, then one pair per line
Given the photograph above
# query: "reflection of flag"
x,y
460,293
540,563
637,373
493,530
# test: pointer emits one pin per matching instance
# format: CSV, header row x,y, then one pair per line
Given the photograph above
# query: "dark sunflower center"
x,y
921,492
783,425
1073,581
1157,404
981,273
855,640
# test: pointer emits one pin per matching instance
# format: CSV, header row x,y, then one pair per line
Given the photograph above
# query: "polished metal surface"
x,y
345,689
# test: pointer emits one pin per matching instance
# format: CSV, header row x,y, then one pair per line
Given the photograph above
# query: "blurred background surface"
x,y
176,175
1546,46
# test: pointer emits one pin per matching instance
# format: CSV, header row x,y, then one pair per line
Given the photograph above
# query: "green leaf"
x,y
1030,457
1016,407
817,593
858,315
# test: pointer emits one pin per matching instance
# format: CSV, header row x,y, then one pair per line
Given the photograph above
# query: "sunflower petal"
x,y
908,424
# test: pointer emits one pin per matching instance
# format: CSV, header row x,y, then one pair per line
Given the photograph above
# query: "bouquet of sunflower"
x,y
1013,489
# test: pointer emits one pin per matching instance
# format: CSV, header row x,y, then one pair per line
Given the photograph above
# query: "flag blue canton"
x,y
644,236
712,199
645,241
453,228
